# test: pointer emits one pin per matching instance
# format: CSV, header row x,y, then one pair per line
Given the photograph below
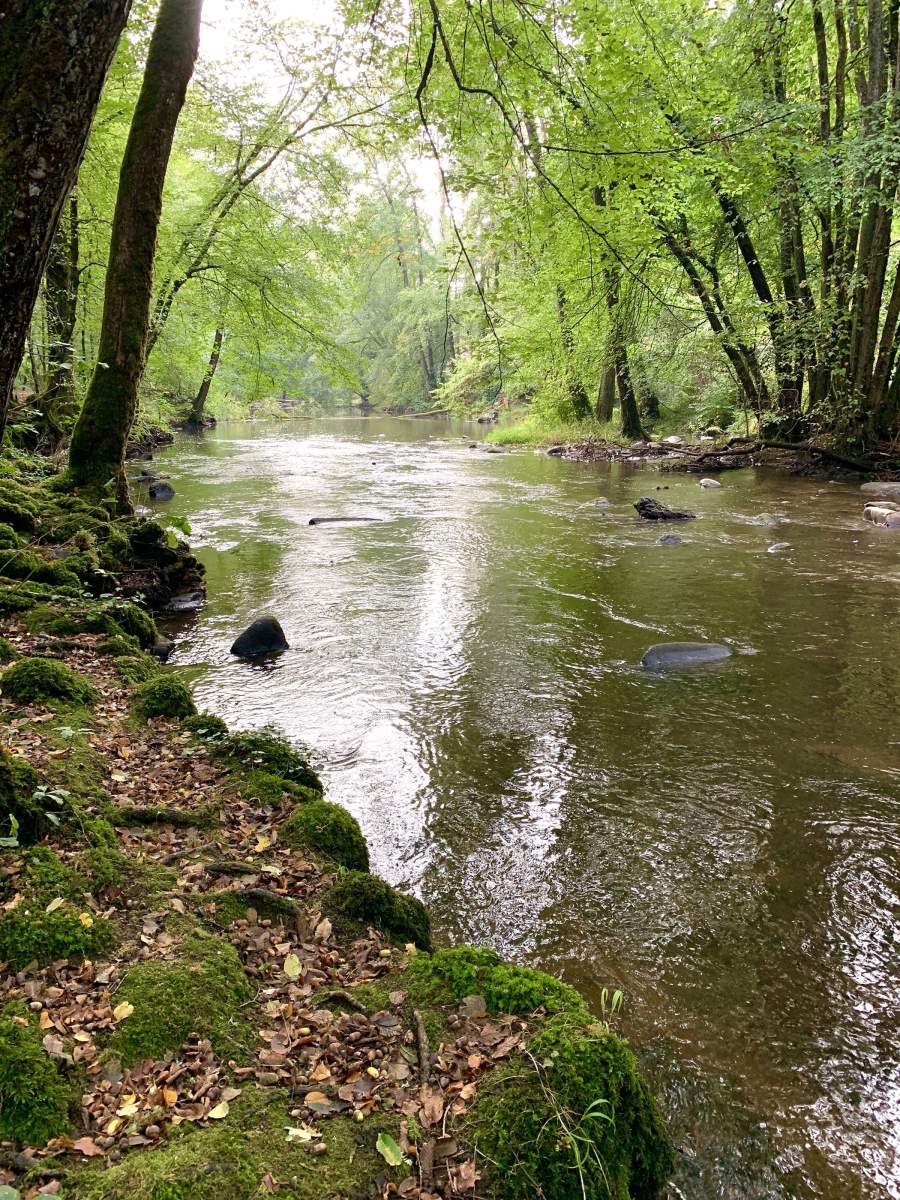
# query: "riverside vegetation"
x,y
204,991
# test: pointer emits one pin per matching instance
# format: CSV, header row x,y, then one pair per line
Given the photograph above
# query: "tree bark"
x,y
61,301
97,454
195,418
581,405
606,393
55,57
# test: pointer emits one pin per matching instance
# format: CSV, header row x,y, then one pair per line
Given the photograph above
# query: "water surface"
x,y
722,844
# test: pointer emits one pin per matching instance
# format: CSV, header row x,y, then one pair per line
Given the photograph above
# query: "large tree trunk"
x,y
606,392
61,301
55,57
195,419
581,405
97,453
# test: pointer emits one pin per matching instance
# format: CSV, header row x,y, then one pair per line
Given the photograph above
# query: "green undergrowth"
x,y
201,990
163,696
269,789
328,831
35,680
536,431
35,1097
571,1118
229,1160
359,900
268,750
28,933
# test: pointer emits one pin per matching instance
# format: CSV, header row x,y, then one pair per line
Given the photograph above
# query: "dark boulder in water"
x,y
161,491
264,636
667,655
339,520
652,510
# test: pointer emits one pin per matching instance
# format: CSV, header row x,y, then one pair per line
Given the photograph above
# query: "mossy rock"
x,y
146,533
575,1118
200,992
17,508
268,750
359,900
34,1095
206,726
230,1159
7,650
35,680
30,934
9,539
328,831
266,788
122,645
136,668
451,974
25,564
20,814
163,696
20,597
135,621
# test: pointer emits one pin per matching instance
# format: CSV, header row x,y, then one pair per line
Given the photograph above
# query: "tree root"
x,y
753,446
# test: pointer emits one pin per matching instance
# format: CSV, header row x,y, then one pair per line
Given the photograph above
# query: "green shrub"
x,y
359,899
7,650
201,992
38,679
207,727
28,934
163,696
573,1119
34,1097
268,750
328,830
451,974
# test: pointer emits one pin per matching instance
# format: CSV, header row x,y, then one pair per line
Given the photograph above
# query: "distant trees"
x,y
55,57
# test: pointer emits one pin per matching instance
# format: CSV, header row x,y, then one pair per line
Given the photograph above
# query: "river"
x,y
721,844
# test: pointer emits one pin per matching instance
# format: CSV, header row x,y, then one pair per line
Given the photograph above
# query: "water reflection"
x,y
722,844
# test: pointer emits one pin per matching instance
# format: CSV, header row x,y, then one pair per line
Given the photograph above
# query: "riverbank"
x,y
205,991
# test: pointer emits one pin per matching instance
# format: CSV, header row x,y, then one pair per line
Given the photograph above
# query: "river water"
x,y
721,844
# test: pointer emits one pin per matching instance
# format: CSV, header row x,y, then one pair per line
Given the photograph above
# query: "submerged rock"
x,y
161,491
885,487
340,520
883,515
264,636
652,510
670,539
162,648
683,654
777,547
185,602
710,483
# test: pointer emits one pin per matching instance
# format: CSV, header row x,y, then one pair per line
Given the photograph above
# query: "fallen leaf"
x,y
323,930
220,1111
262,843
292,967
86,919
88,1147
170,1097
301,1133
55,904
123,1010
389,1150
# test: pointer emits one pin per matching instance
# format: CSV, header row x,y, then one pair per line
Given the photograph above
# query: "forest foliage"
x,y
679,212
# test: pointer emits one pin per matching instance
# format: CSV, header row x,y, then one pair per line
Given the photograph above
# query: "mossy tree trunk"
x,y
53,60
97,454
61,293
197,408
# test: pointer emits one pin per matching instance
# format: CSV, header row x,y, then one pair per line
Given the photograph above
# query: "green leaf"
x,y
389,1150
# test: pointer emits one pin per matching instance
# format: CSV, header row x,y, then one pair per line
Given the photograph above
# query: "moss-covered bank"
x,y
206,992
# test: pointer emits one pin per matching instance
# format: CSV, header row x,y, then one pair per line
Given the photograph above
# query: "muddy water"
x,y
722,844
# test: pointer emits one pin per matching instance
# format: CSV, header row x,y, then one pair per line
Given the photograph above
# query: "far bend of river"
x,y
722,844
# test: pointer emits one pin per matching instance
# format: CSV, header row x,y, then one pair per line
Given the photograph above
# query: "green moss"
x,y
573,1119
9,539
33,680
29,934
20,812
207,727
229,1159
136,668
17,507
20,597
7,650
34,1096
120,646
163,696
327,830
266,788
200,992
360,899
25,564
451,974
268,750
146,533
136,622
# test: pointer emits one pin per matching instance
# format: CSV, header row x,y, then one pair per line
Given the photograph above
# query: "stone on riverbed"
x,y
667,655
885,516
777,547
710,483
161,491
885,487
652,510
670,539
340,520
264,636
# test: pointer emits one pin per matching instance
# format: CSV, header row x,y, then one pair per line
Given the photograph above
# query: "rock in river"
x,y
340,520
683,654
884,515
264,636
161,491
777,547
886,487
652,510
670,539
186,602
710,483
